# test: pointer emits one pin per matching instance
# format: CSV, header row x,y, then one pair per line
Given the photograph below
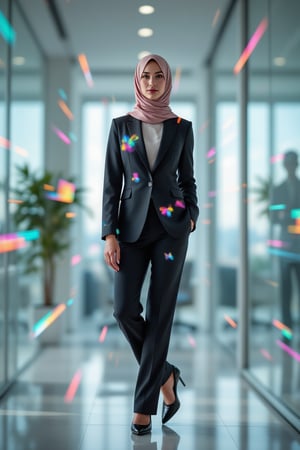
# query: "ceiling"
x,y
106,31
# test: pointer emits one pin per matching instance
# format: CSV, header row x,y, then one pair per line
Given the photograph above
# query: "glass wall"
x,y
274,200
225,156
3,158
272,303
21,142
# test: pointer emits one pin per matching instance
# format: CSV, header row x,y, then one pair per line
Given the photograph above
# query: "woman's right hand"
x,y
112,252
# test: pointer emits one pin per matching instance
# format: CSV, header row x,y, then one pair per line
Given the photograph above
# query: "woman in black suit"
x,y
149,209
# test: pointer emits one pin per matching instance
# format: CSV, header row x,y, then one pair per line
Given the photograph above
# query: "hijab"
x,y
152,111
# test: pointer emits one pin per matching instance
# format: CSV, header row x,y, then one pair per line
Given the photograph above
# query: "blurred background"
x,y
66,69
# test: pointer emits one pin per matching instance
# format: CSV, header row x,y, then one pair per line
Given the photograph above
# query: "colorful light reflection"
x,y
266,354
277,158
288,350
211,153
166,211
62,136
135,177
82,59
230,321
76,259
65,109
103,333
6,30
276,243
128,143
65,192
285,330
44,322
14,241
259,32
180,204
169,256
284,254
73,387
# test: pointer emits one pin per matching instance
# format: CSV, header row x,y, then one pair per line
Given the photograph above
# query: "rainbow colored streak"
x,y
4,143
169,256
276,243
6,30
75,260
278,207
85,69
177,79
288,350
266,354
103,334
128,143
65,109
73,137
135,177
277,158
259,32
62,94
286,331
230,321
11,243
65,192
211,153
180,204
192,341
166,211
29,235
15,241
295,229
48,319
295,214
73,387
284,254
62,136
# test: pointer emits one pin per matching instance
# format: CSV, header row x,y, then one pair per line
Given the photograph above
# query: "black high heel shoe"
x,y
168,411
141,429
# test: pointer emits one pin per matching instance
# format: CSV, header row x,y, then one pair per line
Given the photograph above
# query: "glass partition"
x,y
26,135
3,160
274,200
225,156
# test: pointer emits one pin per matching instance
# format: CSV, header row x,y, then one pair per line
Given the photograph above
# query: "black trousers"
x,y
149,334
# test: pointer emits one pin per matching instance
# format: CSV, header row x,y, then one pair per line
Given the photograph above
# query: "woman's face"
x,y
153,81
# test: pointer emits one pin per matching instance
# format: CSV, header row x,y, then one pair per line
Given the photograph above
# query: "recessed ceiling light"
x,y
146,9
279,61
145,32
143,54
18,60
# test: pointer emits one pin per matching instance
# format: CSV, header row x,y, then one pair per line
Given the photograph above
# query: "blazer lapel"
x,y
169,132
135,127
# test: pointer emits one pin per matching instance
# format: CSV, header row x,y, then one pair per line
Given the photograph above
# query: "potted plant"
x,y
45,204
262,191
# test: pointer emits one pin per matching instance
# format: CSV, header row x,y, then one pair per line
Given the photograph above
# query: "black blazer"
x,y
129,184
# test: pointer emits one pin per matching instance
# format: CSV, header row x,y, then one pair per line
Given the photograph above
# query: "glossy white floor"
x,y
219,411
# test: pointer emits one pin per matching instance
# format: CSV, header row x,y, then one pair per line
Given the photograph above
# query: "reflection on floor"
x,y
79,396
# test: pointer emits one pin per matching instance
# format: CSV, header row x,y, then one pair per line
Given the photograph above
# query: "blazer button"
x,y
149,183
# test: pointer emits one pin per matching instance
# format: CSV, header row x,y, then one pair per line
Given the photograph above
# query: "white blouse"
x,y
152,133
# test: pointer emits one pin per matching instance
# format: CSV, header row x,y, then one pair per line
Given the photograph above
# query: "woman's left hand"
x,y
192,225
